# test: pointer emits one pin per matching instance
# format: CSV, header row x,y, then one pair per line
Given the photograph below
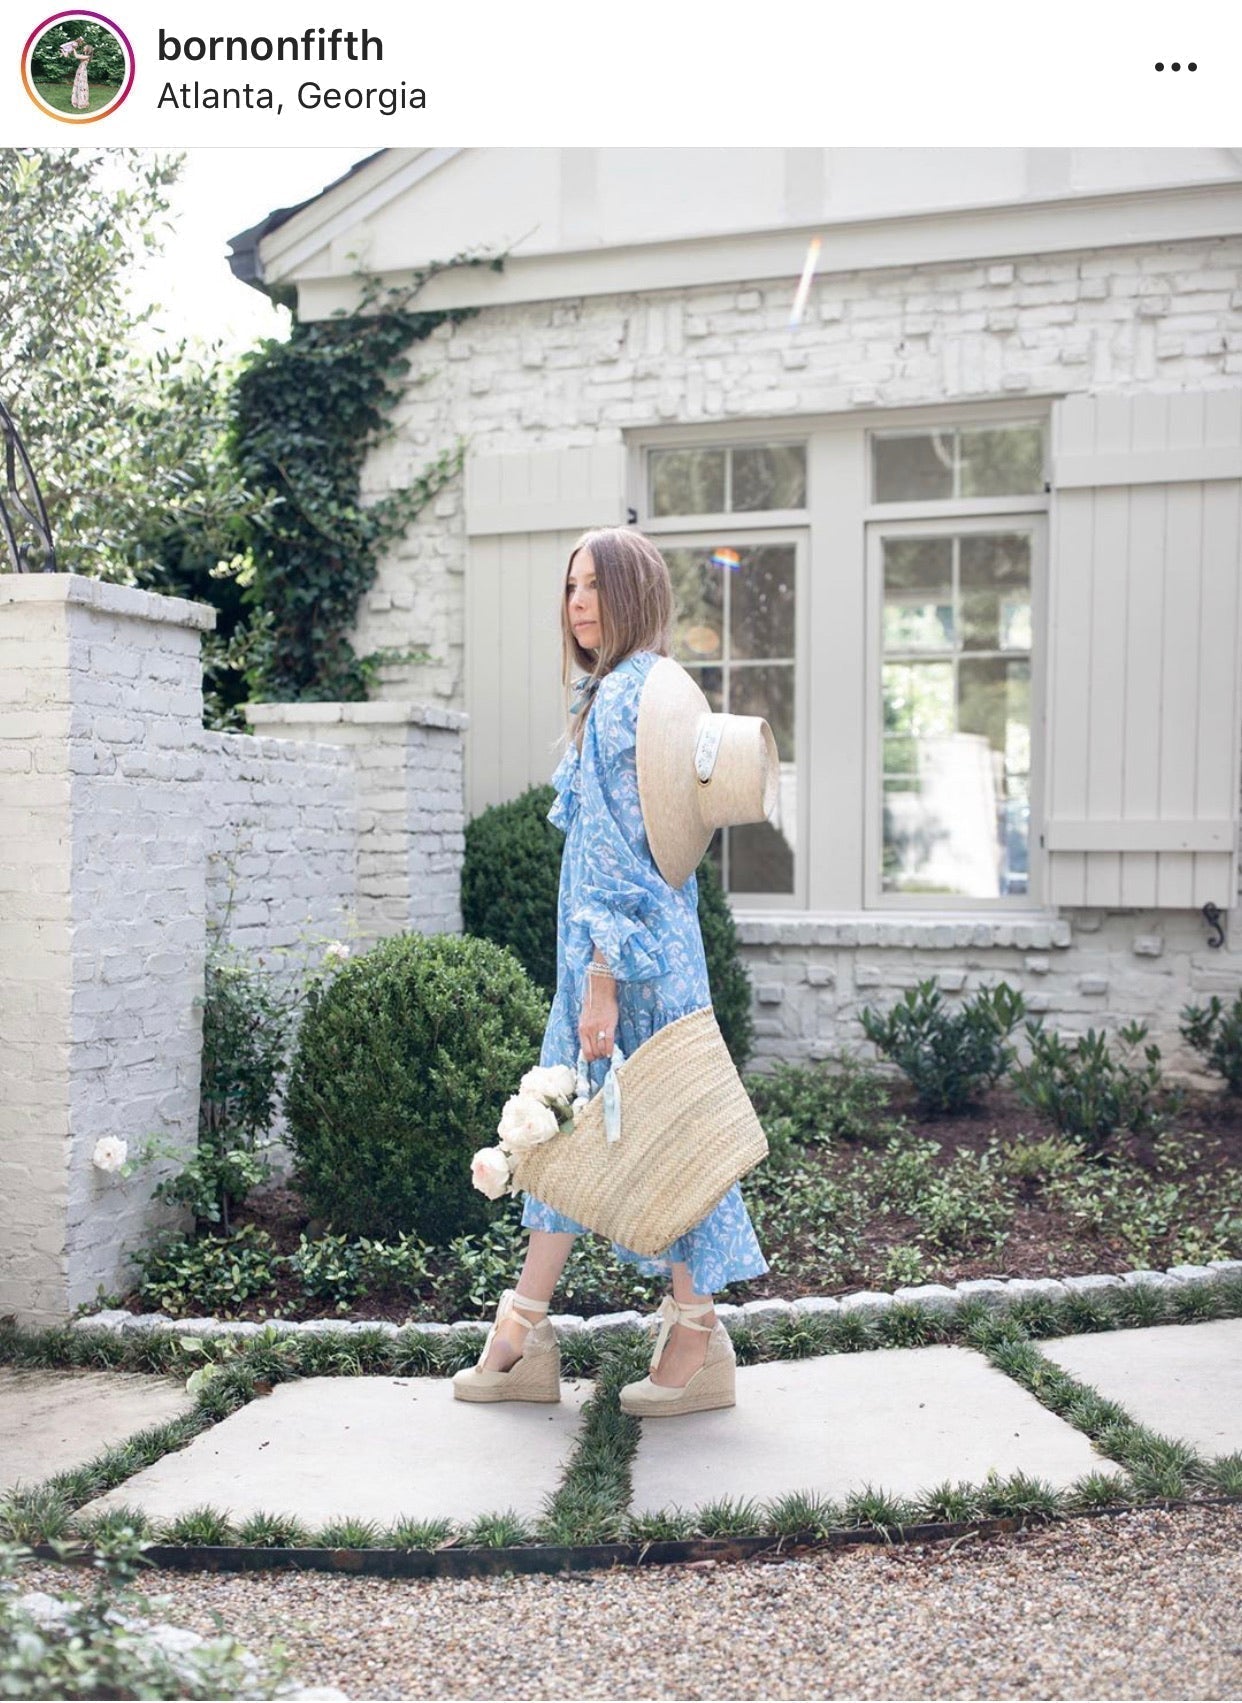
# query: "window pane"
x,y
762,598
918,698
698,606
918,594
766,691
687,481
956,813
912,467
761,854
1002,461
769,476
996,591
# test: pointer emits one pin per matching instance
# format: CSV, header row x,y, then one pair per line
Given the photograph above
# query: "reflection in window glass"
x,y
1006,460
769,476
744,479
956,714
734,633
687,481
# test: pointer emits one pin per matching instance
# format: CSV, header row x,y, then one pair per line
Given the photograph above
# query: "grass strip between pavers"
x,y
588,1514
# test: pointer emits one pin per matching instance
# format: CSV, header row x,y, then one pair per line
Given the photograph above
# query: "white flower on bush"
x,y
337,950
525,1123
110,1153
552,1082
489,1172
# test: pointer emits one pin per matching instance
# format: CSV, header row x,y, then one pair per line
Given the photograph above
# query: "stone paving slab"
x,y
1184,1381
53,1421
379,1448
899,1419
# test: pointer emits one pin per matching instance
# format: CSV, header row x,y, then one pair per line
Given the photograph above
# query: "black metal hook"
x,y
1212,913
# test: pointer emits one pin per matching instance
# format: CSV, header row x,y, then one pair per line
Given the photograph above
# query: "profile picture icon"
x,y
77,66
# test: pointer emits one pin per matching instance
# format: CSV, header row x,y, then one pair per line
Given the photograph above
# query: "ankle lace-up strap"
x,y
678,1313
505,1310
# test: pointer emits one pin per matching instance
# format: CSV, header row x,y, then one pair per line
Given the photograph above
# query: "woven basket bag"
x,y
688,1132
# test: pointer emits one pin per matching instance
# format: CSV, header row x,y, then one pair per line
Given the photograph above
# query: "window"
x,y
874,590
735,632
955,626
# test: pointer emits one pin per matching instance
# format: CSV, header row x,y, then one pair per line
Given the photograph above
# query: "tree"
x,y
127,448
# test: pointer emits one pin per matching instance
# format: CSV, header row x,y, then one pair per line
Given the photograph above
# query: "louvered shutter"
x,y
1145,639
523,513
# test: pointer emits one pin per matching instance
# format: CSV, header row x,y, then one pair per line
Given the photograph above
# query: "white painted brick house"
x,y
985,502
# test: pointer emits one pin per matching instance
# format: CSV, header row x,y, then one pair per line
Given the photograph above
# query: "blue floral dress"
x,y
613,896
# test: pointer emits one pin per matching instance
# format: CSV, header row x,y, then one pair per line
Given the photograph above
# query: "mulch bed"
x,y
1043,1241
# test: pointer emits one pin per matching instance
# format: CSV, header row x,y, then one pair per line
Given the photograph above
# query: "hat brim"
x,y
669,711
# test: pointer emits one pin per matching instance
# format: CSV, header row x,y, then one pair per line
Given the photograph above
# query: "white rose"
x,y
110,1152
553,1082
489,1171
525,1122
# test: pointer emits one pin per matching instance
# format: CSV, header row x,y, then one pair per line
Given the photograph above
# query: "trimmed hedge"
x,y
403,1063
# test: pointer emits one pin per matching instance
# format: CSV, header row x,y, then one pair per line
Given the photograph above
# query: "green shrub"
x,y
1087,1093
213,1274
402,1069
727,976
510,875
949,1057
844,1100
510,882
1218,1038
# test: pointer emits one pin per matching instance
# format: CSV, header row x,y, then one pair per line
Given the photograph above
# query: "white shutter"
x,y
1145,641
546,490
523,513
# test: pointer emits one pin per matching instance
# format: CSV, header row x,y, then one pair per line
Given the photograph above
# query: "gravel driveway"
x,y
1132,1606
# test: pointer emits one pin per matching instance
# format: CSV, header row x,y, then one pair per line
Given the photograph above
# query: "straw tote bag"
x,y
687,1132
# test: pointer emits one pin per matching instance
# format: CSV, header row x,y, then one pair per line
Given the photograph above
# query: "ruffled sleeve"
x,y
622,893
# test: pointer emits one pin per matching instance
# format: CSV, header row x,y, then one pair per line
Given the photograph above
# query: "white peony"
x,y
552,1082
526,1123
489,1171
110,1152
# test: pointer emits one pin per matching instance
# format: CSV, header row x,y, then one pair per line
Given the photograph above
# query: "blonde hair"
x,y
635,597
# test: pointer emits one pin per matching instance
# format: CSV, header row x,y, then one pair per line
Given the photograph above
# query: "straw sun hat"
x,y
697,771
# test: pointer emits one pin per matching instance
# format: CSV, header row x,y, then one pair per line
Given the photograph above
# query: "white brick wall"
x,y
583,371
127,830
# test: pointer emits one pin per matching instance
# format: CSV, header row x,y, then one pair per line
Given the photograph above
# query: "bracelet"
x,y
600,970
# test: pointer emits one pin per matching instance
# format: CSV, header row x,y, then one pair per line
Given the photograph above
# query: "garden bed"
x,y
992,1192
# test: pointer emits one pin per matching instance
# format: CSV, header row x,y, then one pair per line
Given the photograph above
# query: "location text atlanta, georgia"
x,y
311,44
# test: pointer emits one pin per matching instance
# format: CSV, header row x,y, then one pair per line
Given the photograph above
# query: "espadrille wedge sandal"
x,y
534,1376
713,1385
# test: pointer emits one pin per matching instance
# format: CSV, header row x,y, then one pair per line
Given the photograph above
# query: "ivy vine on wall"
x,y
307,412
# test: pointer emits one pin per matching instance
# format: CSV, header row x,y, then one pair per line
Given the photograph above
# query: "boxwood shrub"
x,y
404,1061
510,880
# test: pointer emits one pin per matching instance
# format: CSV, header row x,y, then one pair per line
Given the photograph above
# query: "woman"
x,y
82,52
629,960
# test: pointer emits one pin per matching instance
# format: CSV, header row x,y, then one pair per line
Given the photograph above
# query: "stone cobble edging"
x,y
936,1295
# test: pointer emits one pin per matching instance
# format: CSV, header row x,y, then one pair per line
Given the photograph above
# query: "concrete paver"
x,y
1184,1381
53,1421
899,1419
379,1448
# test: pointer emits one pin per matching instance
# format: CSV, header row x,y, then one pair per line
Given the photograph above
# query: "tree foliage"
x,y
125,445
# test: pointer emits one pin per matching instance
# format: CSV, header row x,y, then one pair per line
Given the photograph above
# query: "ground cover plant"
x,y
859,1191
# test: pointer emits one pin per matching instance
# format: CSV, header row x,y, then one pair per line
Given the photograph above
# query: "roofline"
x,y
243,256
